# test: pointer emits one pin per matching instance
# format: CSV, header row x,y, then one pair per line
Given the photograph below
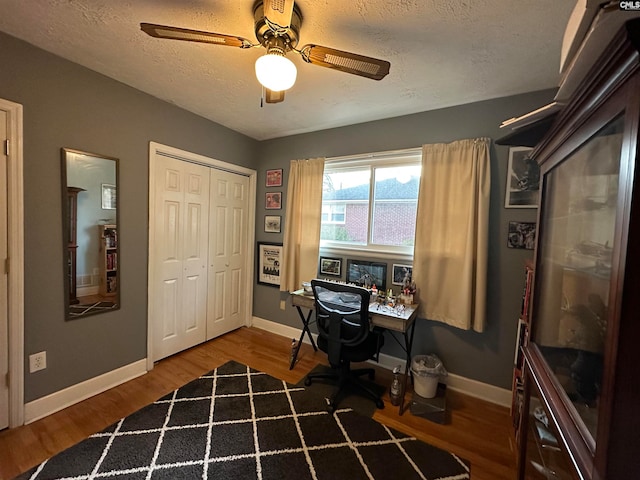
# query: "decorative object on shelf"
x,y
272,223
521,235
269,262
274,178
523,179
331,266
273,200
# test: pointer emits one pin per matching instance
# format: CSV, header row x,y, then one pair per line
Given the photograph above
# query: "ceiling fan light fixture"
x,y
275,71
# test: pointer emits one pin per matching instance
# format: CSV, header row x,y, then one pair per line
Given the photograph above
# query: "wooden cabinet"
x,y
72,246
108,260
580,362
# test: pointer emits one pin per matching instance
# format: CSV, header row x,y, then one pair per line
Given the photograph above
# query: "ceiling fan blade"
x,y
345,62
278,13
176,33
273,97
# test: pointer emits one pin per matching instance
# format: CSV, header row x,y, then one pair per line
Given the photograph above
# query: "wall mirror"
x,y
91,235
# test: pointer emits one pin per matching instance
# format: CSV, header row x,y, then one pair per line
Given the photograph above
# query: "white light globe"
x,y
276,72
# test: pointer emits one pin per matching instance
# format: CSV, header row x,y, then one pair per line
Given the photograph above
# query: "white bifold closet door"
x,y
228,231
181,226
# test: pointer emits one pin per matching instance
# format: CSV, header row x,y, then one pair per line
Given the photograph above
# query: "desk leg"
x,y
305,330
408,341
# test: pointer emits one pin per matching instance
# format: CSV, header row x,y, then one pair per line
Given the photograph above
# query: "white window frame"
x,y
411,156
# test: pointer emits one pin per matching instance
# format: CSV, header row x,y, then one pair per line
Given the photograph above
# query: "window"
x,y
370,202
333,212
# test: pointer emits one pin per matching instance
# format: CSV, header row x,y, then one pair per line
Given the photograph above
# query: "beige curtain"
x,y
301,243
450,255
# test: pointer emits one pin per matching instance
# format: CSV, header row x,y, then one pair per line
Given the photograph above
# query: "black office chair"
x,y
342,316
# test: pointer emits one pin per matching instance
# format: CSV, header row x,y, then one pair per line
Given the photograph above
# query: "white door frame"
x,y
15,206
159,149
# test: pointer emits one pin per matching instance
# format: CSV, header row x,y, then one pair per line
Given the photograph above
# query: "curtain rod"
x,y
390,153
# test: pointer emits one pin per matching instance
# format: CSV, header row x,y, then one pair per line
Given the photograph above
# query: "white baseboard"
x,y
468,386
57,401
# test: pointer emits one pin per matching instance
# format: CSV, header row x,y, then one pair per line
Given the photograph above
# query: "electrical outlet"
x,y
283,305
37,361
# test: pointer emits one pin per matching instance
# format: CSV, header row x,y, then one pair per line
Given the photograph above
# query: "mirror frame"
x,y
66,231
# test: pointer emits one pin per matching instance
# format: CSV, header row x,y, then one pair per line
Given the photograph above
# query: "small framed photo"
x,y
269,261
521,235
273,201
331,266
274,178
272,223
523,179
399,273
108,196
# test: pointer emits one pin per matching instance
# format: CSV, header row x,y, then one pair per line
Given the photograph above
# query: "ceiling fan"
x,y
277,28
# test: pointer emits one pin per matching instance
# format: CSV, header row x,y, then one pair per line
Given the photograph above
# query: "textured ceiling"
x,y
442,53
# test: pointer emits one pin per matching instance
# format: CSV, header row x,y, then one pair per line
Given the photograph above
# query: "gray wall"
x,y
66,105
488,356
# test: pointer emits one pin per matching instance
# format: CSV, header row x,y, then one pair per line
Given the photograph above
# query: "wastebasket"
x,y
427,371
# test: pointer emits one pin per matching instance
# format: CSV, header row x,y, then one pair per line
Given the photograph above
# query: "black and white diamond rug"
x,y
239,423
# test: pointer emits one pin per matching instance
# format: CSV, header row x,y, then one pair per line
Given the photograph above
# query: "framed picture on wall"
x,y
399,272
521,235
523,179
366,273
331,266
108,196
272,223
273,201
274,178
269,261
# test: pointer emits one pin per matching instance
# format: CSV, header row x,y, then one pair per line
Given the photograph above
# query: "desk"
x,y
389,319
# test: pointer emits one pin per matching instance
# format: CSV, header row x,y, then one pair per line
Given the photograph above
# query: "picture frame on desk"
x,y
331,266
269,262
398,273
366,274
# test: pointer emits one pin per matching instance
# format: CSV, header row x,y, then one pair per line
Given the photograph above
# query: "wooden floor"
x,y
478,431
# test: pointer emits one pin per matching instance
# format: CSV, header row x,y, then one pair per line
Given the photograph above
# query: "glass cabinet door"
x,y
578,224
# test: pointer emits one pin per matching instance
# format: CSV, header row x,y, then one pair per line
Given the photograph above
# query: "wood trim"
x,y
15,204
